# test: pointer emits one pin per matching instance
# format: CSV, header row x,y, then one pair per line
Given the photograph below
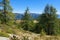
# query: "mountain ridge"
x,y
19,16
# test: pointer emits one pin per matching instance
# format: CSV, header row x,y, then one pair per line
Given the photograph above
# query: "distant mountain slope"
x,y
34,15
19,16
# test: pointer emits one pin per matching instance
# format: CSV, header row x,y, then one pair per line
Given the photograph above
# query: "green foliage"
x,y
57,27
37,28
6,14
48,20
3,34
1,17
26,15
42,33
31,26
10,30
27,21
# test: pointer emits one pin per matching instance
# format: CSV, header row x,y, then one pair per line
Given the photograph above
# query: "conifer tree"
x,y
6,11
48,20
27,20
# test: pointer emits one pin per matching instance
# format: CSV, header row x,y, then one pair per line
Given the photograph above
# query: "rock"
x,y
4,38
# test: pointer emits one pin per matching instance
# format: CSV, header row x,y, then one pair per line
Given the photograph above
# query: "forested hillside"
x,y
47,25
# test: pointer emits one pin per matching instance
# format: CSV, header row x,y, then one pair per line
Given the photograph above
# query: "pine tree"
x,y
26,19
6,11
48,20
26,15
54,20
28,23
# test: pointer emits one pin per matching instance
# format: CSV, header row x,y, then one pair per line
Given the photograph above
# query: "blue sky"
x,y
35,6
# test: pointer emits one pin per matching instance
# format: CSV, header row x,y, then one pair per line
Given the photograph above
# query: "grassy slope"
x,y
5,30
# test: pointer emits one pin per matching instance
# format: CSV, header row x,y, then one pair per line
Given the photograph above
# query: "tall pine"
x,y
26,19
7,14
27,23
48,21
